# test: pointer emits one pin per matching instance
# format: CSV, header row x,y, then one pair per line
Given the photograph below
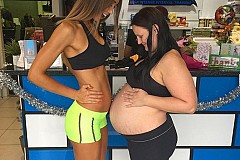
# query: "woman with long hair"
x,y
83,51
157,85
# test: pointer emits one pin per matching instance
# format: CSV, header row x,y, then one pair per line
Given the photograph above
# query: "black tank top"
x,y
94,56
146,82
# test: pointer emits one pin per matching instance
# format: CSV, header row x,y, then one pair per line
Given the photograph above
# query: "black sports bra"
x,y
94,56
146,82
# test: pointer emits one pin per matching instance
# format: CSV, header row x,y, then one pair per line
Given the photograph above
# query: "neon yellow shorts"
x,y
83,125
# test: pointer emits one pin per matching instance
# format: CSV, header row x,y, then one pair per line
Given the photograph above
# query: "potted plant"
x,y
12,50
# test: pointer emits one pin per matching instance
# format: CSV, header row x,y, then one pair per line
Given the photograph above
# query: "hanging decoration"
x,y
11,84
232,95
224,15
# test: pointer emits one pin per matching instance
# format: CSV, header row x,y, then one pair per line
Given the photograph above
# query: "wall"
x,y
19,9
209,7
1,3
205,9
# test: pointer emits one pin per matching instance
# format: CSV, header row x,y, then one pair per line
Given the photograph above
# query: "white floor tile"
x,y
2,100
9,112
10,130
16,125
10,152
11,137
5,123
1,132
10,102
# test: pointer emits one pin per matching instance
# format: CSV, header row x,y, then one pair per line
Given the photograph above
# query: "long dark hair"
x,y
86,10
146,18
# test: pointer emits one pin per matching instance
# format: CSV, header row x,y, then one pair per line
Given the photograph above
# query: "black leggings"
x,y
158,144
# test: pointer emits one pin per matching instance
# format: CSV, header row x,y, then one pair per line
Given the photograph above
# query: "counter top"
x,y
13,70
203,72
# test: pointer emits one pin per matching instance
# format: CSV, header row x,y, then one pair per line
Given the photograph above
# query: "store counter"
x,y
212,133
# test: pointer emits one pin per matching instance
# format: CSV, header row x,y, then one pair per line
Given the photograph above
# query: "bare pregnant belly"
x,y
134,120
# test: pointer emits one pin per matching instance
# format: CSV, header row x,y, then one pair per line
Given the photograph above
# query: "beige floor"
x,y
10,129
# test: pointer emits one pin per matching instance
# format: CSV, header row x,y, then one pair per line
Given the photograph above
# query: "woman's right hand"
x,y
86,94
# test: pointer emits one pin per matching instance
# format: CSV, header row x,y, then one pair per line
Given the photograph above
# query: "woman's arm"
x,y
60,39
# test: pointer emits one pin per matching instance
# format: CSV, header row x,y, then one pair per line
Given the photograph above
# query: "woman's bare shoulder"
x,y
171,57
172,53
69,27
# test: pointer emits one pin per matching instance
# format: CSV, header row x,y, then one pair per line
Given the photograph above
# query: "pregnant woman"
x,y
156,86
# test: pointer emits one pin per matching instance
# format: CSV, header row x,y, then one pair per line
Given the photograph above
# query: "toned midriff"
x,y
98,79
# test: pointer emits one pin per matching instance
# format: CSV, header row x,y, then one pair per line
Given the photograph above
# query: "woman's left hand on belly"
x,y
87,95
135,97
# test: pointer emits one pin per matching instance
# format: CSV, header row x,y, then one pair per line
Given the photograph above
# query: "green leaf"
x,y
12,48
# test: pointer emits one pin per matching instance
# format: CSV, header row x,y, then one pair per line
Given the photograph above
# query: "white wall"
x,y
209,7
205,9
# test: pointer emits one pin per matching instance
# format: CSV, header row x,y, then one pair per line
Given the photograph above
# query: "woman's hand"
x,y
86,94
134,97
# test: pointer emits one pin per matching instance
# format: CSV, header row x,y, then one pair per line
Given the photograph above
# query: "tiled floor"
x,y
10,129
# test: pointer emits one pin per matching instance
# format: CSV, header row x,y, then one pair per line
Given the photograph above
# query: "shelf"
x,y
233,2
180,28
